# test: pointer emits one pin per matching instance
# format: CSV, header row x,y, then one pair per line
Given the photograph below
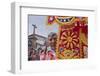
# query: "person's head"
x,y
42,52
50,54
52,39
33,51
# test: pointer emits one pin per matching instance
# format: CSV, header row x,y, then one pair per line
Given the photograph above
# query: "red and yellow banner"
x,y
72,40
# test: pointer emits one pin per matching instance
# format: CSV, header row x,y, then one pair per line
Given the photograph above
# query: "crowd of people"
x,y
46,52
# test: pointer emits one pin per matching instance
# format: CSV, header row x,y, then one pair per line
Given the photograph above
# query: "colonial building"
x,y
36,41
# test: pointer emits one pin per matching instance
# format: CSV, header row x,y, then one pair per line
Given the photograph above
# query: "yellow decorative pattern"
x,y
70,39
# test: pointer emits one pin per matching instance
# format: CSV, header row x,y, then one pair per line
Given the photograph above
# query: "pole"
x,y
34,27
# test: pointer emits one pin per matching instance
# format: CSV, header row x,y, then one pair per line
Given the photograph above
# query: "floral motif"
x,y
70,39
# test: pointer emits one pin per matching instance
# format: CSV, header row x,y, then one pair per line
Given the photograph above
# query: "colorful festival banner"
x,y
72,39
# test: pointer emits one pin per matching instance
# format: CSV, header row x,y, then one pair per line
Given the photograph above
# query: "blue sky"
x,y
42,27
